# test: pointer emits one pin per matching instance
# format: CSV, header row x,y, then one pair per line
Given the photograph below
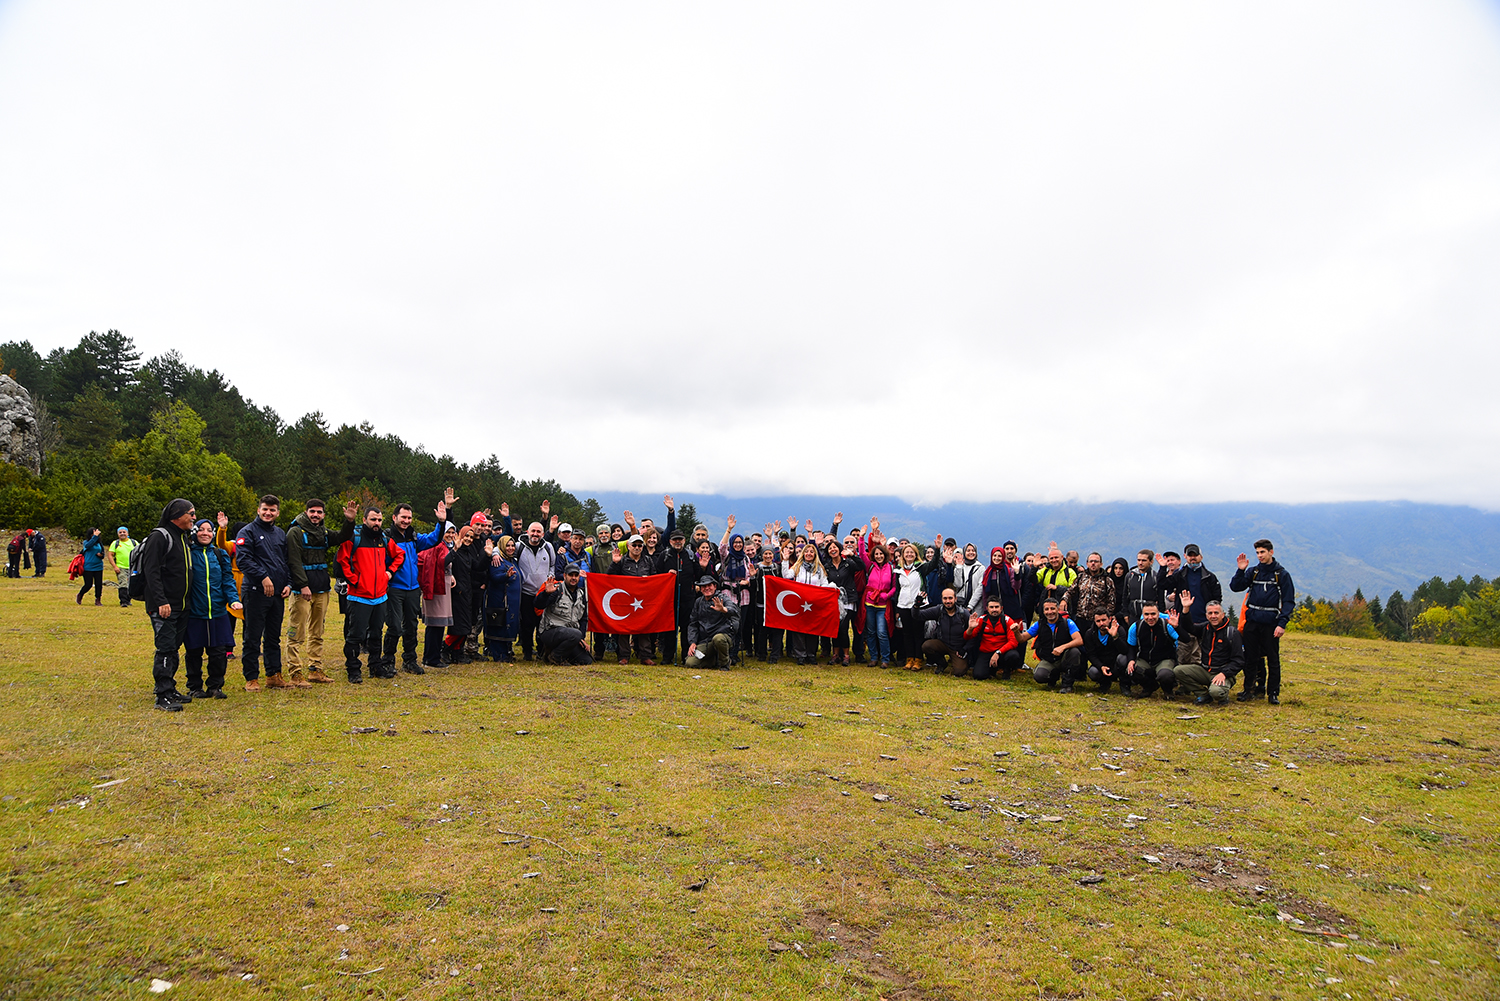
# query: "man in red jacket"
x,y
368,559
993,646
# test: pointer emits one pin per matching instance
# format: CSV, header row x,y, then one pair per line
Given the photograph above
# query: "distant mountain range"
x,y
1330,549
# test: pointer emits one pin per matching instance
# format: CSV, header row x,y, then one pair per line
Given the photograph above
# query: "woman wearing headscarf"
x,y
210,627
1118,569
93,567
503,602
436,583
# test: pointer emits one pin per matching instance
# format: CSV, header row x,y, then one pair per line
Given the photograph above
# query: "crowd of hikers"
x,y
487,588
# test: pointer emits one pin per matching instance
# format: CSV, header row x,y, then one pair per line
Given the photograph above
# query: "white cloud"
x,y
1188,252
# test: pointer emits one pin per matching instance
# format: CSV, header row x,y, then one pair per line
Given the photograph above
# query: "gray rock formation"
x,y
18,430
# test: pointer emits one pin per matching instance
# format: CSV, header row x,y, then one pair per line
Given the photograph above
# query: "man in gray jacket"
x,y
536,560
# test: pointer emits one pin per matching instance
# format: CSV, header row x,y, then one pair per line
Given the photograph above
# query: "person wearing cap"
x,y
565,612
570,551
166,574
712,627
634,563
1196,579
677,560
536,559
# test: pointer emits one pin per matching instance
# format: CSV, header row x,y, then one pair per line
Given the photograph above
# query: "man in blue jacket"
x,y
260,551
403,596
1268,608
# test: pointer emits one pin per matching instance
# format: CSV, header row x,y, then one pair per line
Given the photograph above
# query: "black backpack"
x,y
137,579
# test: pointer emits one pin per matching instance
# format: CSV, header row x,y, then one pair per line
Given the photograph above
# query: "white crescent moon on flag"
x,y
604,603
782,597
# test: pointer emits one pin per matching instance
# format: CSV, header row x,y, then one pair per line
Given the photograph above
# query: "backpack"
x,y
137,580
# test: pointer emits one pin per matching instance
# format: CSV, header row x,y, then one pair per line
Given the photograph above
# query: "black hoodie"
x,y
164,560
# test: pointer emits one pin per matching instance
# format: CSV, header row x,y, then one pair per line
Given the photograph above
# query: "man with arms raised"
x,y
403,598
368,560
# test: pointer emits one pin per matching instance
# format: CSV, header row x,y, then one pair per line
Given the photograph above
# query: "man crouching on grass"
x,y
565,610
712,627
164,569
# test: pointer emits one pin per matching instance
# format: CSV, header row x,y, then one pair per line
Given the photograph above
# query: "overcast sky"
x,y
1174,252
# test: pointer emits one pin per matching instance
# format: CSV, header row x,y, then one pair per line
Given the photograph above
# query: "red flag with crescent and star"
x,y
632,605
803,608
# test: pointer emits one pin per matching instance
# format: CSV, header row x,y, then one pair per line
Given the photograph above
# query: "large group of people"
x,y
499,588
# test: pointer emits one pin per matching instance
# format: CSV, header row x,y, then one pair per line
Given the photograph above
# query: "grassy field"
x,y
530,831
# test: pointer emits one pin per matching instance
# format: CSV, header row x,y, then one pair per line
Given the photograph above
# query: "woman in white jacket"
x,y
807,568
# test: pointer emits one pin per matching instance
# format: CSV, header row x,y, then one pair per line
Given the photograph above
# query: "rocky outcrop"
x,y
18,426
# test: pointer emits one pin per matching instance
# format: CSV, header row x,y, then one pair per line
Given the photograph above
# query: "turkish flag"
x,y
803,608
632,605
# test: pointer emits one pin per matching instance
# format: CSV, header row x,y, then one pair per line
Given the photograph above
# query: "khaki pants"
x,y
715,653
304,645
1187,647
1194,680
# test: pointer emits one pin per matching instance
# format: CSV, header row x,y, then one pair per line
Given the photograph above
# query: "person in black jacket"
x,y
948,640
1223,655
674,559
1268,609
166,576
1195,578
712,627
469,563
1103,646
260,551
39,552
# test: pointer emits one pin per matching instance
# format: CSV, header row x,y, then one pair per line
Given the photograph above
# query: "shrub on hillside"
x,y
1345,617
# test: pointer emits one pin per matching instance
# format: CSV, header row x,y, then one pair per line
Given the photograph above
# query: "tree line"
x,y
120,438
1459,612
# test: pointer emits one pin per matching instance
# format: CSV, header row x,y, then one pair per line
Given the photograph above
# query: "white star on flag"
x,y
637,605
806,607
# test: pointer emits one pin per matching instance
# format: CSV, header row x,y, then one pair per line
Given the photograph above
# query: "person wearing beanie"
x,y
165,581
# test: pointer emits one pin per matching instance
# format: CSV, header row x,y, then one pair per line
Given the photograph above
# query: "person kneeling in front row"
x,y
565,611
993,646
1057,643
712,627
1222,654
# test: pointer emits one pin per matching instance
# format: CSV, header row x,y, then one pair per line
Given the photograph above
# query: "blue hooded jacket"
x,y
211,587
505,592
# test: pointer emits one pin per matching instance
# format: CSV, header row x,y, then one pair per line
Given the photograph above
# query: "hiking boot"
x,y
296,680
1202,700
167,705
198,693
317,677
253,685
179,698
1273,699
354,678
216,693
412,667
1245,696
1066,688
277,681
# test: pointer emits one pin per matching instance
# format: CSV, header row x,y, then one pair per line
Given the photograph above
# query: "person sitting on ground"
x,y
713,626
948,639
1150,644
210,627
993,646
565,613
1103,646
1221,654
1057,644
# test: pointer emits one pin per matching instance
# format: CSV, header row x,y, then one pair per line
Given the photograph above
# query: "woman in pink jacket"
x,y
880,589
